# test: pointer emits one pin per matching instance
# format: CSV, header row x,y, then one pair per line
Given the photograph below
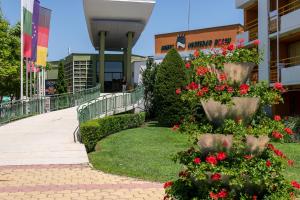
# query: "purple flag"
x,y
35,25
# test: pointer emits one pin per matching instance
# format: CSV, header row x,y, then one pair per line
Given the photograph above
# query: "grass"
x,y
142,153
292,151
146,153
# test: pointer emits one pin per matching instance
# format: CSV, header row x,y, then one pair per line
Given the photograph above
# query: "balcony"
x,y
250,31
289,71
241,4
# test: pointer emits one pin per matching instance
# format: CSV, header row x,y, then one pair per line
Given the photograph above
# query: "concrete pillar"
x,y
263,36
101,59
124,62
128,60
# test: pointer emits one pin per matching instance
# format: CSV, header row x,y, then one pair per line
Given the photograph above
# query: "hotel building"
x,y
277,25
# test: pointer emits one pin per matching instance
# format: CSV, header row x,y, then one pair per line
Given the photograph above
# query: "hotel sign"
x,y
181,43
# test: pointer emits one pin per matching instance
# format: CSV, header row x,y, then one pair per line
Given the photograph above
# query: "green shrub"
x,y
93,131
170,76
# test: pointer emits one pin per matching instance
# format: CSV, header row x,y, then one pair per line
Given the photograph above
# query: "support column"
x,y
263,36
128,60
101,59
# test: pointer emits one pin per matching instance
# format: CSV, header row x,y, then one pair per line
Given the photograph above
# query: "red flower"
x,y
289,131
244,89
216,177
175,127
279,86
277,135
222,77
214,196
223,194
278,153
268,163
178,91
230,90
254,197
277,118
188,65
196,53
231,47
201,71
193,86
200,93
256,42
220,88
205,89
221,156
197,161
291,162
295,184
183,174
168,184
271,146
241,40
211,160
248,157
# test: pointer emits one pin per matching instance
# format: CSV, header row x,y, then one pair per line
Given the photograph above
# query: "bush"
x,y
93,131
170,75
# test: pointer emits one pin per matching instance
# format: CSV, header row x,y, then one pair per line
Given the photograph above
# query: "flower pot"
x,y
256,145
237,72
214,142
243,108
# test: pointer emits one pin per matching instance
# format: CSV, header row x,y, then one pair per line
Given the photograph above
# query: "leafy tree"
x,y
61,85
149,77
170,76
9,59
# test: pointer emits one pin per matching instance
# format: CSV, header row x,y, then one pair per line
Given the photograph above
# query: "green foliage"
x,y
170,75
61,85
93,131
9,59
149,77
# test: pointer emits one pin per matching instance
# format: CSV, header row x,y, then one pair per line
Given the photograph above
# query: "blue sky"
x,y
68,27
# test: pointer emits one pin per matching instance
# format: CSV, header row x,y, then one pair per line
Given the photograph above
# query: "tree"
x,y
61,85
149,77
9,59
170,76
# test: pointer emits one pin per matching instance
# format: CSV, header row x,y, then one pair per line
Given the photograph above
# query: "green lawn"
x,y
292,151
146,153
142,152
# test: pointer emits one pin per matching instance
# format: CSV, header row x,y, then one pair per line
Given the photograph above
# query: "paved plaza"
x,y
71,182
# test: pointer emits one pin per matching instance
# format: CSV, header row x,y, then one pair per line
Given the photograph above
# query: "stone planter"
x,y
243,108
237,72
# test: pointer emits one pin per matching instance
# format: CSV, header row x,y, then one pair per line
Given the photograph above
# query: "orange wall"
x,y
197,35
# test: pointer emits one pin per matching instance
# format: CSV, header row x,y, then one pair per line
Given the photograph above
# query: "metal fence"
x,y
110,104
15,110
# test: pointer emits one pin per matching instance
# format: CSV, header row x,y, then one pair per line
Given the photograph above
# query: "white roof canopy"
x,y
116,18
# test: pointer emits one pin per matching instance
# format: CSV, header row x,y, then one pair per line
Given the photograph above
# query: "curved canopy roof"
x,y
116,18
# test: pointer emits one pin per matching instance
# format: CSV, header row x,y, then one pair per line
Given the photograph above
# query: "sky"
x,y
68,26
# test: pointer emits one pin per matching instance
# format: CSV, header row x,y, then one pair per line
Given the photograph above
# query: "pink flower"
x,y
221,156
277,135
220,88
230,90
197,161
244,89
277,118
168,184
178,91
279,87
188,65
268,163
216,177
289,131
211,160
256,42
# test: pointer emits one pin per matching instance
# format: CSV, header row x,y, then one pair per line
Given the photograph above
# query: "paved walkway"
x,y
71,182
42,139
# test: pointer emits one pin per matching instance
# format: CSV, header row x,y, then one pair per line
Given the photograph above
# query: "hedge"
x,y
93,131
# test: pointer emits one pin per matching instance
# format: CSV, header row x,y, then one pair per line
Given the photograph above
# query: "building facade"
x,y
186,42
276,23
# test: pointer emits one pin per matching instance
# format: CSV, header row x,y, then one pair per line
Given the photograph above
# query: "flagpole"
x,y
30,75
27,64
22,53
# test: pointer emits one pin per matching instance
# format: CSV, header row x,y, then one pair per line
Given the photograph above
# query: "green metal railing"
x,y
15,110
109,104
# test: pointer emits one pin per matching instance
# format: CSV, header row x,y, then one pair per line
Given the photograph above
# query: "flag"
x,y
43,36
27,27
35,24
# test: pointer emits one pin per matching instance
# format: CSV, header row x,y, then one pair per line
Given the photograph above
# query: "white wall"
x,y
137,68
